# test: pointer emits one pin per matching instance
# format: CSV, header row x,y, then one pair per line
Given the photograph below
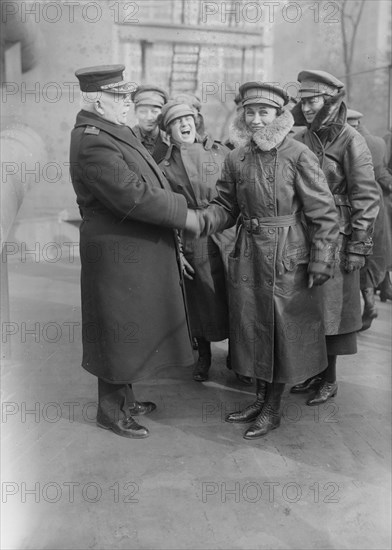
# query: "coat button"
x,y
269,257
271,231
244,277
270,178
271,206
270,282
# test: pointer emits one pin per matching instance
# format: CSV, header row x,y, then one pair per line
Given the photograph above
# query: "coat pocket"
x,y
244,273
295,254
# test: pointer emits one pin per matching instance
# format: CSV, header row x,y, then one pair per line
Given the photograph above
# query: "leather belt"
x,y
254,225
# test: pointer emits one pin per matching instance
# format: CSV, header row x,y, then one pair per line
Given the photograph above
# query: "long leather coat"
x,y
287,225
347,164
133,312
192,170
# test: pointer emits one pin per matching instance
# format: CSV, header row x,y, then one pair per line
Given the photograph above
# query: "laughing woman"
x,y
192,165
284,250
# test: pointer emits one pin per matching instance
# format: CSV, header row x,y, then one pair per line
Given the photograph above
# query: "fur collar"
x,y
267,138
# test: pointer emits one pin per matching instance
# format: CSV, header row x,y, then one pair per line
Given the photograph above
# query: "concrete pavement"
x,y
322,480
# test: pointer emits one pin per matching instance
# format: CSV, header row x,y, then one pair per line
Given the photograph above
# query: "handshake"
x,y
193,224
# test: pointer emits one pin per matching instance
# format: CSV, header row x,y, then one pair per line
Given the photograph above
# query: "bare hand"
x,y
192,224
187,269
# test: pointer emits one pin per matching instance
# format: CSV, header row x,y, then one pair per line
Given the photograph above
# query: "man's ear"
x,y
98,107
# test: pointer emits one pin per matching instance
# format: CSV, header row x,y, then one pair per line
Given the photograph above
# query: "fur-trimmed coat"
x,y
346,162
287,227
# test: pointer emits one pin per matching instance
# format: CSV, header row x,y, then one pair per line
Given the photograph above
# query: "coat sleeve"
x,y
123,191
320,212
363,195
223,210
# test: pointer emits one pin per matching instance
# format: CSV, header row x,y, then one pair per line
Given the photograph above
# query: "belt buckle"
x,y
255,226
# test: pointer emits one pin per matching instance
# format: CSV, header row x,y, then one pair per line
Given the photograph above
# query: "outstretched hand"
x,y
192,224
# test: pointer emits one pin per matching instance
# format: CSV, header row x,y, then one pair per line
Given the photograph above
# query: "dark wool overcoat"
x,y
346,162
133,313
286,225
192,170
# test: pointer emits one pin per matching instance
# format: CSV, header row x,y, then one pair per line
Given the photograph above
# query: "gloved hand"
x,y
317,279
353,262
187,269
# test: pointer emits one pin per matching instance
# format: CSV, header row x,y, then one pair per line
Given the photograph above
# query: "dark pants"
x,y
114,401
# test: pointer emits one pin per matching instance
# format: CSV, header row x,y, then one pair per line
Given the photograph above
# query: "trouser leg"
x,y
114,400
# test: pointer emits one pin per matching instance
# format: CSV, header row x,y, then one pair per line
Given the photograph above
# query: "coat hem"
x,y
152,370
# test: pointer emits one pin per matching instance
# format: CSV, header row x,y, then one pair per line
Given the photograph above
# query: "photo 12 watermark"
x,y
270,491
70,11
69,491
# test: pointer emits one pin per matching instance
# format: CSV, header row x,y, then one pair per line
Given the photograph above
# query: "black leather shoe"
x,y
311,384
325,392
200,372
268,420
126,427
142,407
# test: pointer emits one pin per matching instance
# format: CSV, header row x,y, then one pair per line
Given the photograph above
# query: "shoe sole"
x,y
121,433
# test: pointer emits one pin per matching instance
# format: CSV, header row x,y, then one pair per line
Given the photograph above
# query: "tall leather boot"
x,y
386,288
200,372
254,409
270,415
369,311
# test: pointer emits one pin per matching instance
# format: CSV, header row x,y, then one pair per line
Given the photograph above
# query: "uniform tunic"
x,y
133,312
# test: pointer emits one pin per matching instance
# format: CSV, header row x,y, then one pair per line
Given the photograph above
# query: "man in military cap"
x,y
133,312
347,164
375,270
149,100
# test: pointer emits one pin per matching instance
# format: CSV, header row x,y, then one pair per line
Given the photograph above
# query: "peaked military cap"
x,y
353,115
262,92
173,110
104,78
315,83
149,94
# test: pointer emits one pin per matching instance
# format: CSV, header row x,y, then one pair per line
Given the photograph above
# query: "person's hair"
x,y
88,99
